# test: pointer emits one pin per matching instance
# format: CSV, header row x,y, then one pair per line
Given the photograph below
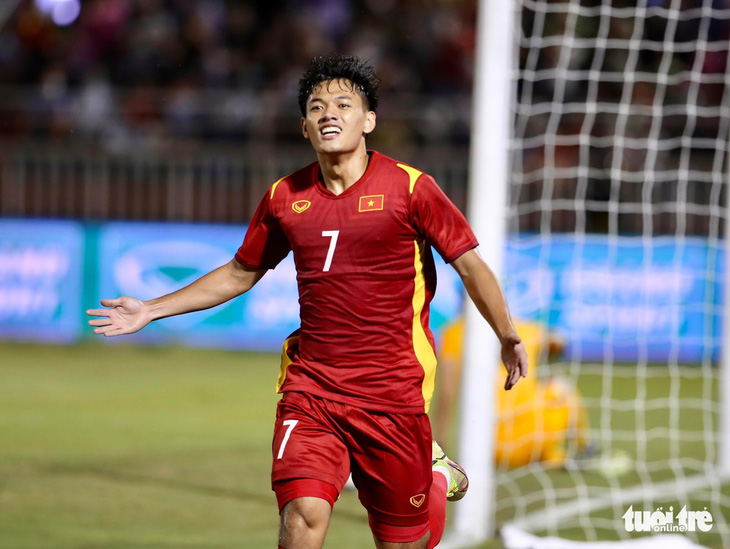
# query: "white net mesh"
x,y
617,213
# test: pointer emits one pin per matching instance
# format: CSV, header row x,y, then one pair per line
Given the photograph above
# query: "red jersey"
x,y
366,277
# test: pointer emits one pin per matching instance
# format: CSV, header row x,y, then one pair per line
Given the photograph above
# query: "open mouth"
x,y
330,131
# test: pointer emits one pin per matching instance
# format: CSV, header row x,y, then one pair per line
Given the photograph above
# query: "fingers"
x,y
100,322
508,382
98,312
524,363
106,325
110,303
109,330
104,329
512,378
514,357
516,370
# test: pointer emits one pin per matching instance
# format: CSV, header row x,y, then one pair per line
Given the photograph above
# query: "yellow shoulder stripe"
x,y
413,174
273,187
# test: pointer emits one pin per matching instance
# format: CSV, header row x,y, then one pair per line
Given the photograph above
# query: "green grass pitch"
x,y
119,446
116,446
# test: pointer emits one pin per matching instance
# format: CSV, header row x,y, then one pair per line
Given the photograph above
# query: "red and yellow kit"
x,y
366,277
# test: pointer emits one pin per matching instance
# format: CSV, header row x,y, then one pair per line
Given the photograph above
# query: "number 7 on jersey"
x,y
333,243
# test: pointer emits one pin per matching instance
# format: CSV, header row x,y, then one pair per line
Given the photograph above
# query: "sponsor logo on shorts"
x,y
418,500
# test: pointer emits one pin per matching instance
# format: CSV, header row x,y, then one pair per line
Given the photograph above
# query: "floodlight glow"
x,y
62,12
45,6
65,12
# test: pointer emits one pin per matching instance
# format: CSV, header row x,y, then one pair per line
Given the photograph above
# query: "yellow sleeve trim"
x,y
273,187
413,174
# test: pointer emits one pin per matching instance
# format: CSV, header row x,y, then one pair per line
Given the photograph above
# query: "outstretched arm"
x,y
127,315
483,289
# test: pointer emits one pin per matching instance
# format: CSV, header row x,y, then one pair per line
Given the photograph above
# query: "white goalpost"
x,y
599,190
489,170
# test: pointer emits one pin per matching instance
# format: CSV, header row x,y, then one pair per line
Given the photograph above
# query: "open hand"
x,y
125,315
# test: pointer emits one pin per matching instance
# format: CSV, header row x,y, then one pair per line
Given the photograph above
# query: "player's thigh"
x,y
306,446
393,475
304,522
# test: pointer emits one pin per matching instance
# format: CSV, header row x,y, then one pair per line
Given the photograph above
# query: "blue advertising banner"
x,y
41,280
623,298
147,260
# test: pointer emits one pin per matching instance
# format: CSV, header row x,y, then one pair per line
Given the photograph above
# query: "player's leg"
x,y
437,508
391,467
436,519
310,467
457,482
449,483
422,543
304,523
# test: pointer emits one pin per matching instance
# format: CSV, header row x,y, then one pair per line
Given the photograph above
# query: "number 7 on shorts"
x,y
289,424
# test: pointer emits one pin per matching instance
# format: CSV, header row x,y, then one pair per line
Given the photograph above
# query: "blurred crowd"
x,y
126,70
223,69
619,102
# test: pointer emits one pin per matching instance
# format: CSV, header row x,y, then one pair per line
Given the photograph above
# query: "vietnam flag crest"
x,y
371,203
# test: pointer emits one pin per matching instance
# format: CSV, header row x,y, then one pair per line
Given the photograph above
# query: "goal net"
x,y
617,211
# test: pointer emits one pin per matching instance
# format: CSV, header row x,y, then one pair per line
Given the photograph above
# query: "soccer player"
x,y
355,397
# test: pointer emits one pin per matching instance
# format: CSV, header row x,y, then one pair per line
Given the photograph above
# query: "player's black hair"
x,y
350,67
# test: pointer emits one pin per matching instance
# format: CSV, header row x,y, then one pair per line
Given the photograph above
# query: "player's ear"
x,y
305,133
369,122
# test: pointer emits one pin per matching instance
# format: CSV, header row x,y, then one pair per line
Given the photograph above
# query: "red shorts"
x,y
389,456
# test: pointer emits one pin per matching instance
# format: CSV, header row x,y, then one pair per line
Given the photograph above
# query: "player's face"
x,y
337,119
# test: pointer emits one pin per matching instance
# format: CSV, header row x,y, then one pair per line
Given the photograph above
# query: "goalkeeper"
x,y
538,421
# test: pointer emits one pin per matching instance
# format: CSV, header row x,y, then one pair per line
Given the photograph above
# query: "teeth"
x,y
328,131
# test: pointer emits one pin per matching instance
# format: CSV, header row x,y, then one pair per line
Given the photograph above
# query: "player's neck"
x,y
341,171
